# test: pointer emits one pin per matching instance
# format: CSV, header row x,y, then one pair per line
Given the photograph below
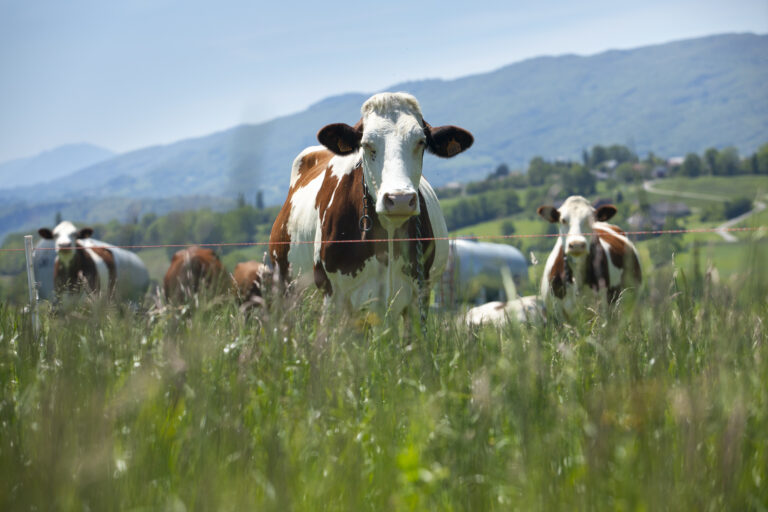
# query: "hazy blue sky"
x,y
129,74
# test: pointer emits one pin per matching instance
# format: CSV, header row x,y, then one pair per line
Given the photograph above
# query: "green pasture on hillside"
x,y
730,187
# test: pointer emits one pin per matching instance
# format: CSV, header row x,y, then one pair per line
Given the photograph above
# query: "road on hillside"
x,y
721,230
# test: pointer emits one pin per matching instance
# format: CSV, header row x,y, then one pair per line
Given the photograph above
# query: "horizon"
x,y
125,89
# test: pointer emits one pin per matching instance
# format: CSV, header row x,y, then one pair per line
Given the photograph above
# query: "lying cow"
x,y
588,254
85,266
366,183
250,278
524,310
193,270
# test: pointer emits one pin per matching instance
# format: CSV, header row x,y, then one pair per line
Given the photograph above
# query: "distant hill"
x,y
671,98
50,165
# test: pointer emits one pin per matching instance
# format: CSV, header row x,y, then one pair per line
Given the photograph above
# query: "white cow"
x,y
82,264
366,183
588,254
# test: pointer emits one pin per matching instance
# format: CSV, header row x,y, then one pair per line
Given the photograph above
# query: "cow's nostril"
x,y
412,202
388,201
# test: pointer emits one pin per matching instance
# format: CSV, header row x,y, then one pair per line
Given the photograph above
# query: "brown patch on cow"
x,y
558,279
191,270
622,255
340,221
249,278
79,275
598,276
312,164
109,260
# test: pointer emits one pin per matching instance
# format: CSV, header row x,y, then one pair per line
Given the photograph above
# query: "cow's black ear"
x,y
84,233
549,213
447,141
605,212
45,233
341,138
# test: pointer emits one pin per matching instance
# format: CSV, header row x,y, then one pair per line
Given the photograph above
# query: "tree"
x,y
620,154
578,180
727,162
710,158
538,170
260,200
599,155
762,159
501,171
692,165
737,206
507,228
626,173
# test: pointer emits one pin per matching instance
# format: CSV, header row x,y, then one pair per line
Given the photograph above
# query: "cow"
x,y
524,310
365,183
250,278
589,254
83,265
193,270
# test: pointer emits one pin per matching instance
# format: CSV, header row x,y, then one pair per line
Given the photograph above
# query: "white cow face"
x,y
575,218
65,236
391,138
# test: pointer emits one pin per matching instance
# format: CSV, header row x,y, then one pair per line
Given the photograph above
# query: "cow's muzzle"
x,y
400,204
576,247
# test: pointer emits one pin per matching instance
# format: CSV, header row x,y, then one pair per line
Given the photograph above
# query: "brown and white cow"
x,y
85,265
588,254
373,168
250,278
193,270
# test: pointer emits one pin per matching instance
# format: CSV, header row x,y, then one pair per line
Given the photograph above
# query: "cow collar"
x,y
366,221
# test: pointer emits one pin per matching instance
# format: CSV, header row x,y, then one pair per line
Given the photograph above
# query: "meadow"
x,y
658,404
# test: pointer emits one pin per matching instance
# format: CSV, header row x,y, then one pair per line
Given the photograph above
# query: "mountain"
x,y
671,98
49,165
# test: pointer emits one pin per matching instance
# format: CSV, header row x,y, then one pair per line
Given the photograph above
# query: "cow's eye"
x,y
421,143
369,147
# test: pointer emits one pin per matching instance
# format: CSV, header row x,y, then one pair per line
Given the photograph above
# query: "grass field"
x,y
660,406
730,187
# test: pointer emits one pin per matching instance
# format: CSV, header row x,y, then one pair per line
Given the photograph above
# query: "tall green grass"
x,y
658,406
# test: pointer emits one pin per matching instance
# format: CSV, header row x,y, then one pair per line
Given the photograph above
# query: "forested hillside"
x,y
671,98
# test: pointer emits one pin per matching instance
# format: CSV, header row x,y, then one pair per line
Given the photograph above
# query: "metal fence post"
x,y
31,283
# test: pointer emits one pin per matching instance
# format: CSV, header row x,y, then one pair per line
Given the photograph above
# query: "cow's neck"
x,y
578,269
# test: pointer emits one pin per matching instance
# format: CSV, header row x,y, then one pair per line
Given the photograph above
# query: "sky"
x,y
126,75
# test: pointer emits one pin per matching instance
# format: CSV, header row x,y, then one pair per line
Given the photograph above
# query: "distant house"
x,y
675,161
657,216
608,166
452,189
659,172
669,209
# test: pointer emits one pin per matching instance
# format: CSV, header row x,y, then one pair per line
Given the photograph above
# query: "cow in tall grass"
x,y
589,254
365,183
85,266
194,270
250,279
